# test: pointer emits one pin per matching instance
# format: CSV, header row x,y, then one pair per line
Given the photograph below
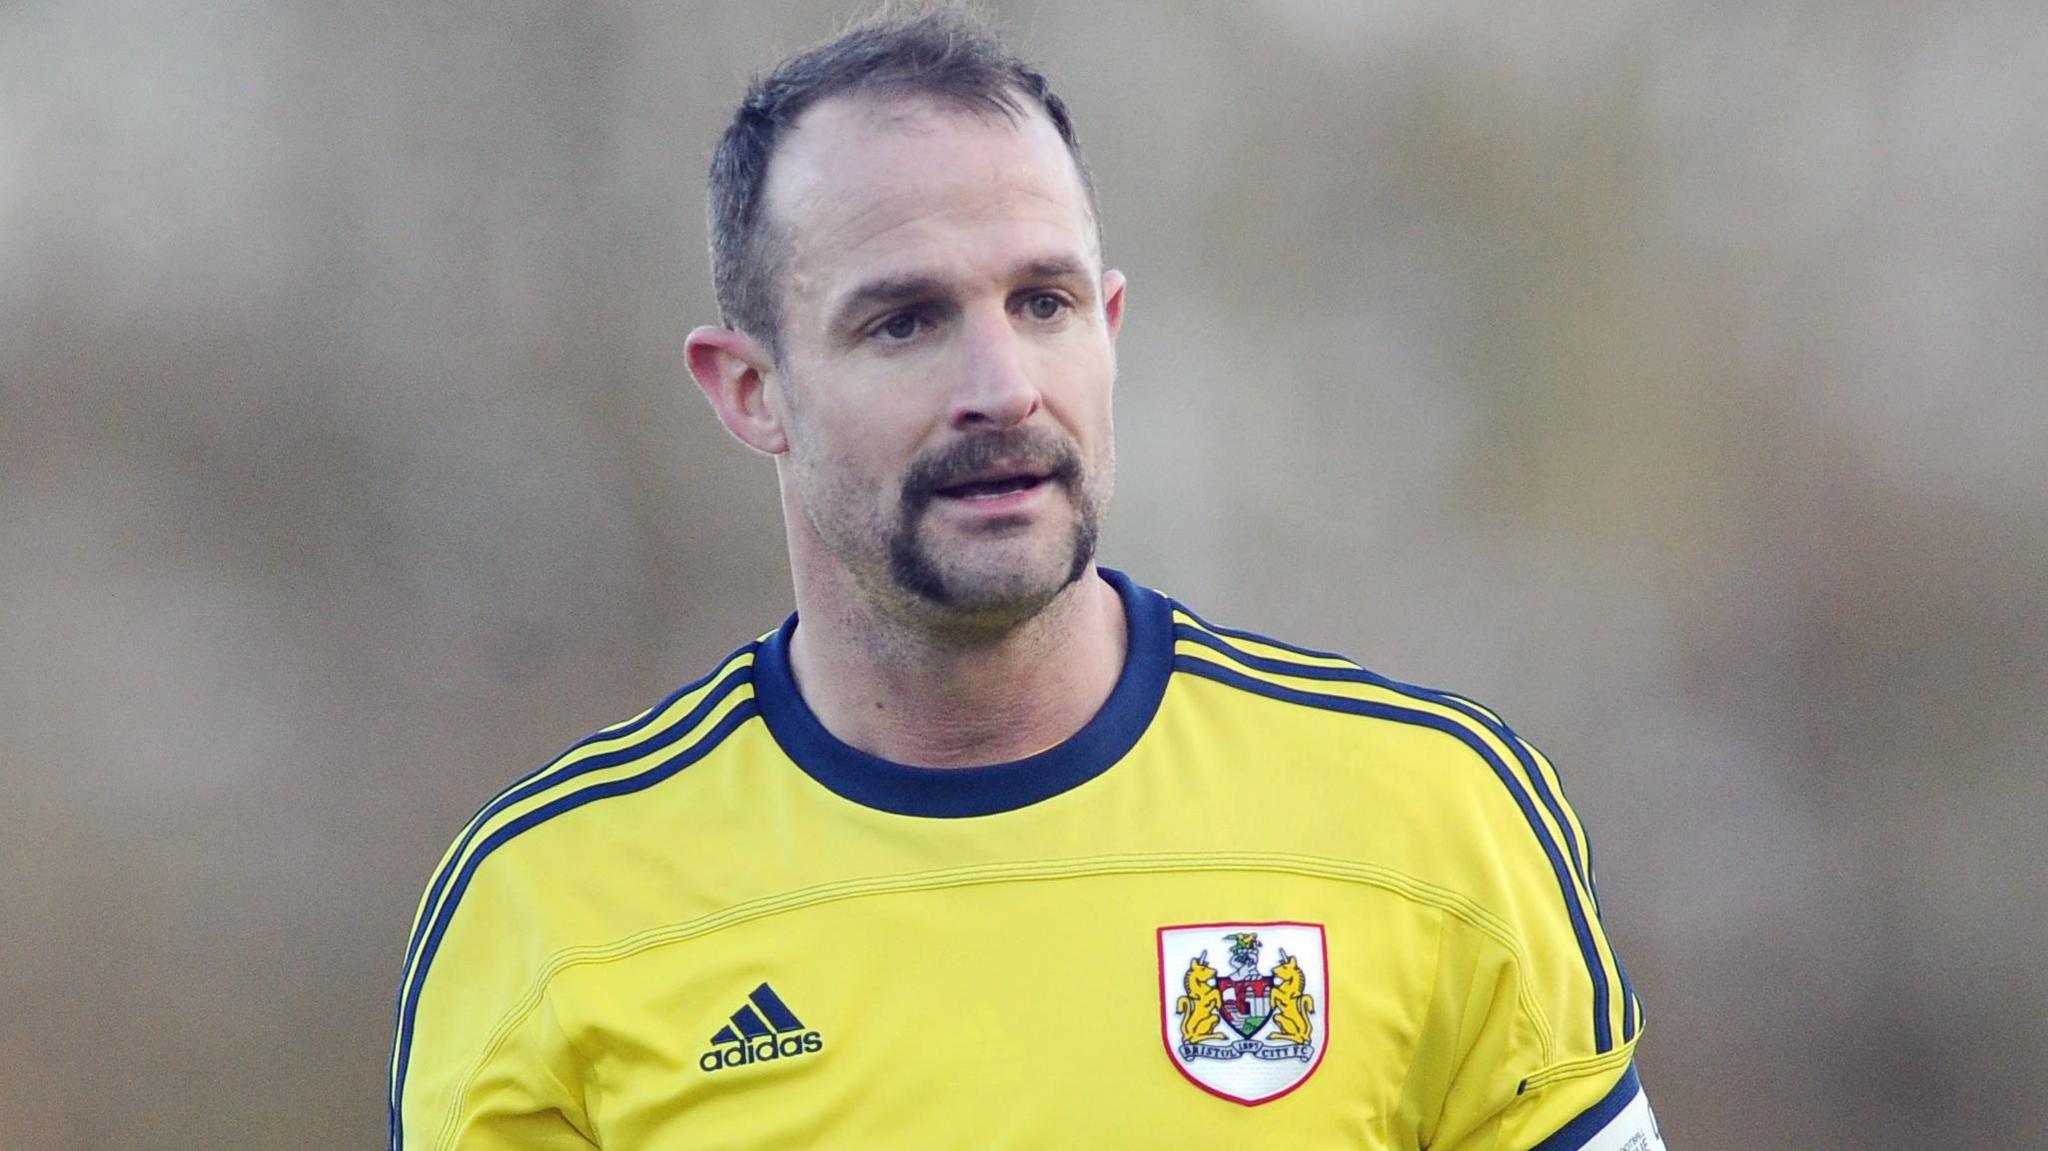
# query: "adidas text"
x,y
761,1050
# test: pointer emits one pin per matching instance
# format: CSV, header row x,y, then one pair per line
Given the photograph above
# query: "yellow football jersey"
x,y
1263,899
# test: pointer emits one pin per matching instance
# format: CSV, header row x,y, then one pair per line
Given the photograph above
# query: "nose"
x,y
996,389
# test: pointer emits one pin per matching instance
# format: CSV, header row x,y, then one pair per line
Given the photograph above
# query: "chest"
x,y
1117,1001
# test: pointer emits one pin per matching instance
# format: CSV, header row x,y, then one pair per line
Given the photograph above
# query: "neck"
x,y
933,699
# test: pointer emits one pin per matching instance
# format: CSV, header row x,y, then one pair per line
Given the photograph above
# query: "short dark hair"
x,y
945,54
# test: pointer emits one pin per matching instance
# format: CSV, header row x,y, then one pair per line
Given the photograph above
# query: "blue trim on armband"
x,y
1595,1119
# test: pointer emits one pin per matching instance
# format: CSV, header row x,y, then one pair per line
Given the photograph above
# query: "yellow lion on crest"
x,y
1291,1008
1201,1009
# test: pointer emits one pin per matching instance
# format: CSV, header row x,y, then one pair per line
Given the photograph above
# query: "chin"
x,y
998,585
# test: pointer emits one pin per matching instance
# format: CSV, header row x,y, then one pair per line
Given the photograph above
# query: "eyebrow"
x,y
1054,268
882,294
895,291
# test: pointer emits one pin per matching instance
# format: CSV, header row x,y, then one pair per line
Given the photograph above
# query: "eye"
x,y
1045,306
900,326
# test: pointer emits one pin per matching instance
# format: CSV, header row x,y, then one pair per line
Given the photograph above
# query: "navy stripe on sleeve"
x,y
661,770
547,776
1356,674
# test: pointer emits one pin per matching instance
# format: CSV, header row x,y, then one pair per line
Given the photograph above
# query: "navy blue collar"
x,y
953,792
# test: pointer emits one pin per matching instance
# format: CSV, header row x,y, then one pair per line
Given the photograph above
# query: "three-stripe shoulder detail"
x,y
1329,681
1307,663
618,760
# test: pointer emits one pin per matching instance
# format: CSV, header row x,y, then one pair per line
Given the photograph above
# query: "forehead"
x,y
861,182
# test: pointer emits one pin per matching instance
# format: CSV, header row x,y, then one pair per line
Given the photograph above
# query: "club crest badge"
x,y
1244,1006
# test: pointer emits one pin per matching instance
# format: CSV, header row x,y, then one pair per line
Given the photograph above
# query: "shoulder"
x,y
515,887
1457,759
1442,789
1473,736
623,759
502,859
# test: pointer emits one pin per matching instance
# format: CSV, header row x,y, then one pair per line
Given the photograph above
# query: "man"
x,y
986,846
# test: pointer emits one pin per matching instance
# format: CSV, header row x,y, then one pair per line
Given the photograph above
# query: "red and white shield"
x,y
1244,1007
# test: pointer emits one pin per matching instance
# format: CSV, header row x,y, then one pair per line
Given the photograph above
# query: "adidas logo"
x,y
763,1028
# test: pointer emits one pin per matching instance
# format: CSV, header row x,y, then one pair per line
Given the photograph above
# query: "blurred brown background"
x,y
1668,376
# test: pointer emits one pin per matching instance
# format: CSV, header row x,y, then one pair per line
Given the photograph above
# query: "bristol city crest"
x,y
1244,1005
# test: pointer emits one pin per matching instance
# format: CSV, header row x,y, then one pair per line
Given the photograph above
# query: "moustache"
x,y
1053,455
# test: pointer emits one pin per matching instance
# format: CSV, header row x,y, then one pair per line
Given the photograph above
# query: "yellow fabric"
x,y
993,981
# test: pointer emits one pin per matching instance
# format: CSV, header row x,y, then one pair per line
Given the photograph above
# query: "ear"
x,y
1113,301
734,371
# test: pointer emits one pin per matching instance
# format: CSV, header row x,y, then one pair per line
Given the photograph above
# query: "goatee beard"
x,y
915,570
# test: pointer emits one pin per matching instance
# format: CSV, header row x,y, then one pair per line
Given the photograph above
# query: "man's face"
x,y
947,355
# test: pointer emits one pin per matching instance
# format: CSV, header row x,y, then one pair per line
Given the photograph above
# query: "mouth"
x,y
995,486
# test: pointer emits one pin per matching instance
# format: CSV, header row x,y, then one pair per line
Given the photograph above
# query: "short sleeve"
x,y
1546,1021
479,1062
1620,1119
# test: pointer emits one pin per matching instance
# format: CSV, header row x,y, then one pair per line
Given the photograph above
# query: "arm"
x,y
479,1061
1547,1023
511,1096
